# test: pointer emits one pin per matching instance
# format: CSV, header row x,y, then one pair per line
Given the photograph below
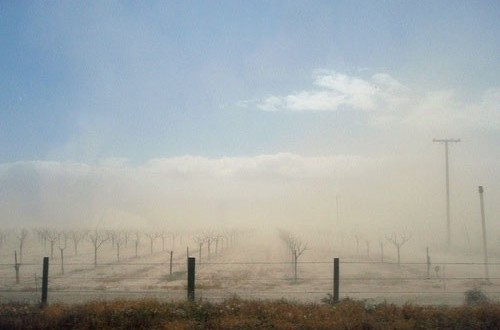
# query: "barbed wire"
x,y
204,263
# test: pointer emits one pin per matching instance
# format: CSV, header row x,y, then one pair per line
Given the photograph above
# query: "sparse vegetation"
x,y
475,296
246,314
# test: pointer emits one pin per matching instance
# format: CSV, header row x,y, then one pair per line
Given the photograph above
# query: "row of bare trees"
x,y
54,239
396,239
215,242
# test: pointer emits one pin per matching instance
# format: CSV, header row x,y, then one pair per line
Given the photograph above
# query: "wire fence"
x,y
310,281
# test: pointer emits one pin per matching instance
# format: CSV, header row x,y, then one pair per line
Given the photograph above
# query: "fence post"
x,y
45,281
62,260
171,257
191,277
16,267
428,263
381,252
336,280
295,266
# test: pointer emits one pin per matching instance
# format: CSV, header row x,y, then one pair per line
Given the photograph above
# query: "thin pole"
x,y
483,222
448,221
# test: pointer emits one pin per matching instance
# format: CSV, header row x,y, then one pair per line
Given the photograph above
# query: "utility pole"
x,y
483,222
448,225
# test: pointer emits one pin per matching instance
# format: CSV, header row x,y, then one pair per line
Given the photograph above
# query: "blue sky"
x,y
250,91
89,80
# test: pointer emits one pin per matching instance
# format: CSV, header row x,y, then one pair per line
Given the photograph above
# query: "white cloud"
x,y
387,103
335,91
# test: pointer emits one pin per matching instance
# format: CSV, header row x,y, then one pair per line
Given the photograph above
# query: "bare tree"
x,y
152,237
299,248
119,239
3,236
66,234
112,234
398,240
137,239
40,233
199,239
218,238
76,237
52,236
174,236
209,238
97,238
357,238
126,236
381,251
21,236
163,235
296,246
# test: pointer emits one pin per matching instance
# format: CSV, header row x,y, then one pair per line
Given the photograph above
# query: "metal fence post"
x,y
190,278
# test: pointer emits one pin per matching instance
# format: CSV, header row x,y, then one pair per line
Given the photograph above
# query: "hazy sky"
x,y
330,97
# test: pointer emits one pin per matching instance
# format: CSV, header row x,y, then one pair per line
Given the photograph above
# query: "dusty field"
x,y
255,266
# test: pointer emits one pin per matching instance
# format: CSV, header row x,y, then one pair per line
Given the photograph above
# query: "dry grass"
x,y
244,314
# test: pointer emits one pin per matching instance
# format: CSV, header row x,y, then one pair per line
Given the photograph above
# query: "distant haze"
x,y
305,115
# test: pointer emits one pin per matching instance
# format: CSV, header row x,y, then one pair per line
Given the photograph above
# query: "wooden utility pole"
x,y
448,222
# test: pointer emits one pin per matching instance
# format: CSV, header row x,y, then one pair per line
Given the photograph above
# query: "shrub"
x,y
475,297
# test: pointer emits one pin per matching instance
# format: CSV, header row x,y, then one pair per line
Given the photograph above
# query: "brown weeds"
x,y
246,314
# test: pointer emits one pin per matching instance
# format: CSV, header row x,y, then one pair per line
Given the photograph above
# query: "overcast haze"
x,y
250,112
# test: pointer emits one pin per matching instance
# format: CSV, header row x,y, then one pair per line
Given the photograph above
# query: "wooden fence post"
x,y
171,257
336,280
62,260
381,252
45,281
16,267
428,264
190,278
295,266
